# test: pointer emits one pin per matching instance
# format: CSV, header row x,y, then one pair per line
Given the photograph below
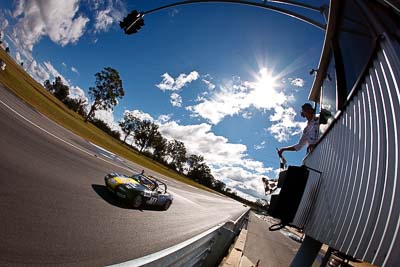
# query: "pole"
x,y
265,6
307,253
293,3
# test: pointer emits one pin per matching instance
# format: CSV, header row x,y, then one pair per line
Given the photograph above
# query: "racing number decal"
x,y
147,193
152,200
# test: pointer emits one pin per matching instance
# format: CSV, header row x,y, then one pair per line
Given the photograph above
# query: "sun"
x,y
265,89
265,80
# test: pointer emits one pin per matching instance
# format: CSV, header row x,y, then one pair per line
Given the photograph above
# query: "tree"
x,y
160,148
177,151
199,171
57,88
129,123
76,104
145,134
8,50
203,175
61,91
261,203
194,162
219,186
107,91
48,86
104,127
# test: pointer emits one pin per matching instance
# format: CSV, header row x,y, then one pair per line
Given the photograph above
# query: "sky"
x,y
228,80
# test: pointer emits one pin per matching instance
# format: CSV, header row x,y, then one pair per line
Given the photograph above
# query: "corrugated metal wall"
x,y
308,200
357,209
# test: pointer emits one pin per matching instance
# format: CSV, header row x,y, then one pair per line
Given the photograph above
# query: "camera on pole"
x,y
132,23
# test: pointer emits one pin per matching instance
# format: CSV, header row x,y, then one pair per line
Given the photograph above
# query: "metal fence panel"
x,y
357,209
308,200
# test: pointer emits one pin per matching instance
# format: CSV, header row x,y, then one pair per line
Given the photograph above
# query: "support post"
x,y
307,253
326,258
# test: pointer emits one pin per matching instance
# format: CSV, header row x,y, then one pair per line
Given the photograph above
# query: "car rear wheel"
x,y
167,205
137,201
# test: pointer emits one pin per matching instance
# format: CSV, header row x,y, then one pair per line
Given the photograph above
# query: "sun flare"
x,y
266,80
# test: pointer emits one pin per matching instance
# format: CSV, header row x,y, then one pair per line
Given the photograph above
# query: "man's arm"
x,y
302,142
288,148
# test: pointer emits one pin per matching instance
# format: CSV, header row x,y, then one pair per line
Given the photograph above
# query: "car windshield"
x,y
143,180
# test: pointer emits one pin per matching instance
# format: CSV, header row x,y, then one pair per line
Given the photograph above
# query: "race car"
x,y
139,189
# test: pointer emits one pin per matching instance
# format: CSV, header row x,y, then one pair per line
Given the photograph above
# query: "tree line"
x,y
147,139
146,135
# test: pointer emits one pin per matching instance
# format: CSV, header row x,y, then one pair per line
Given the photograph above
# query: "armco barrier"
x,y
205,249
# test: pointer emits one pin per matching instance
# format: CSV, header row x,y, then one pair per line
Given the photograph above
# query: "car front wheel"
x,y
137,201
167,205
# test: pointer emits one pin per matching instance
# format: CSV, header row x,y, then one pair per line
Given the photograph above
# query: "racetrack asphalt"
x,y
55,209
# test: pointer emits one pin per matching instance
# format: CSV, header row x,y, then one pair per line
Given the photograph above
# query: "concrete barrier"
x,y
205,249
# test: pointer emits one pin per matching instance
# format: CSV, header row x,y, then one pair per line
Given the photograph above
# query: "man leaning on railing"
x,y
310,133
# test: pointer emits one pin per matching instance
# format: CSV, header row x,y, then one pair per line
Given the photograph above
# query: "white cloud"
x,y
73,69
4,24
77,93
24,53
114,12
228,162
217,151
169,83
284,124
176,100
201,97
49,72
107,116
103,20
55,73
107,13
19,9
200,140
235,173
140,114
247,115
209,84
173,12
59,20
18,57
164,118
243,181
260,146
298,82
38,72
4,45
235,96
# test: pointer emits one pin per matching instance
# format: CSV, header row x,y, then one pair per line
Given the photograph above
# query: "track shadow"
x,y
107,196
111,199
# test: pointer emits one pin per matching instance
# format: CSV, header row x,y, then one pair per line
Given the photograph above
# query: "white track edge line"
x,y
60,139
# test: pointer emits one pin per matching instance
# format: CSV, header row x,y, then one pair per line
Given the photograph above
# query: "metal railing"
x,y
205,249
